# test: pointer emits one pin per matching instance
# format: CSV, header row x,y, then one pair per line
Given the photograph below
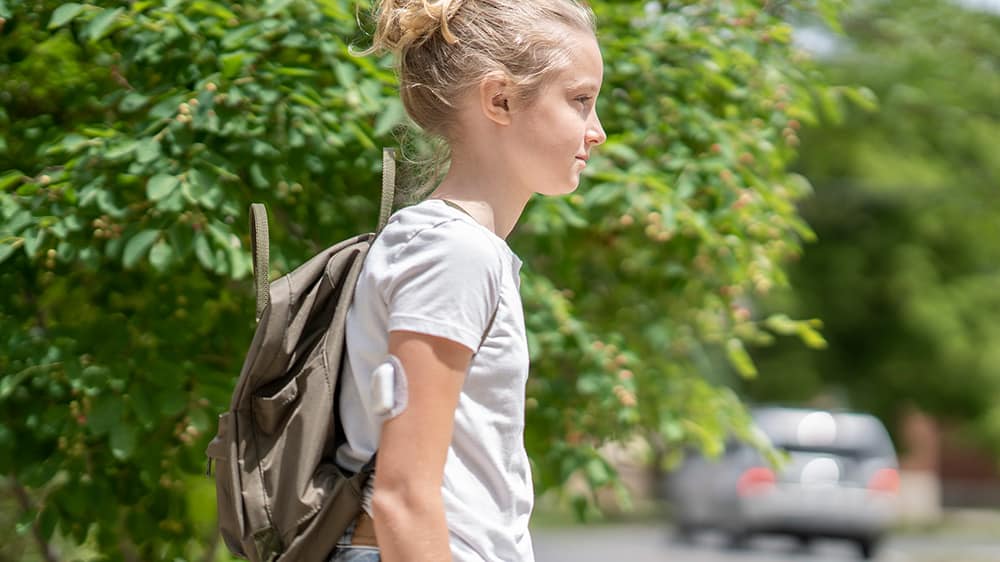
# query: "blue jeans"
x,y
346,552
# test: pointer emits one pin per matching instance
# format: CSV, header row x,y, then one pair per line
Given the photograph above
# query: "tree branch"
x,y
47,551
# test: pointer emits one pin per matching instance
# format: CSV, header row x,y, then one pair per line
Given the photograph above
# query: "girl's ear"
x,y
500,100
494,98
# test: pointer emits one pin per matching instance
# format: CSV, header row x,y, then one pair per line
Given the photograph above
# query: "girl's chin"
x,y
565,189
569,185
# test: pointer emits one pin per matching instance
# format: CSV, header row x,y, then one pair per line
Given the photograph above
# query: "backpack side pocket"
x,y
271,409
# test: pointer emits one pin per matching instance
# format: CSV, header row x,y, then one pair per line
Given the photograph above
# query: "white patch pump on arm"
x,y
389,389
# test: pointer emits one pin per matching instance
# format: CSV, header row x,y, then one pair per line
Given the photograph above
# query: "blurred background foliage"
x,y
905,270
134,136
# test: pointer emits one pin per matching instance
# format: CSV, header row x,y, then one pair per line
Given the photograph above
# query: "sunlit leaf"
x,y
203,251
123,441
64,14
10,179
160,186
161,255
740,359
137,246
101,24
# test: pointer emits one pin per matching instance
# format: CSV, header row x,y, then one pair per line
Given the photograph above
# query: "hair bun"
x,y
405,23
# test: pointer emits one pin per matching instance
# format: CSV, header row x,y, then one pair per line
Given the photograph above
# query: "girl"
x,y
437,357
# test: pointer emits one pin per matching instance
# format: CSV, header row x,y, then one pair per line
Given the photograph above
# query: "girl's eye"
x,y
584,100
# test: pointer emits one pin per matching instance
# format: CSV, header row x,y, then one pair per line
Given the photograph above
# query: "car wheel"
x,y
684,533
738,540
867,548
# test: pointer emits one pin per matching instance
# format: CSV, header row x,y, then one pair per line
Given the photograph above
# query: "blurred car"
x,y
840,480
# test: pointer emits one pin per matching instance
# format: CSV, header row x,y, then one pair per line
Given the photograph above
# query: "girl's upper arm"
x,y
414,445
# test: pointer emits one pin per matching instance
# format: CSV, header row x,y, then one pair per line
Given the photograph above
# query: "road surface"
x,y
655,543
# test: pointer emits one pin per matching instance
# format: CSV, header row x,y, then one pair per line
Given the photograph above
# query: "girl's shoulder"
x,y
434,227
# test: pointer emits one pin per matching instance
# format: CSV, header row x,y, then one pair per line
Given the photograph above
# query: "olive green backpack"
x,y
280,494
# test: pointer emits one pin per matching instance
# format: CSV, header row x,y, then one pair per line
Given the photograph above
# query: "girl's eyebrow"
x,y
584,83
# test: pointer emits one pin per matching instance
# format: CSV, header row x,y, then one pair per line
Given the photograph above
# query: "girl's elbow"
x,y
409,499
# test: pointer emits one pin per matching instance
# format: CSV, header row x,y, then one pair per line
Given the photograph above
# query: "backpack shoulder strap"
x,y
261,255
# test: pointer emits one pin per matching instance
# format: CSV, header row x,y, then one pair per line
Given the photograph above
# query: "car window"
x,y
857,436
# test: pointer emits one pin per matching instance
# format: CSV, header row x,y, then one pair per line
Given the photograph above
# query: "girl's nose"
x,y
595,132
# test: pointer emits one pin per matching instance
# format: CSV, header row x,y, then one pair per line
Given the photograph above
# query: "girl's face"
x,y
553,137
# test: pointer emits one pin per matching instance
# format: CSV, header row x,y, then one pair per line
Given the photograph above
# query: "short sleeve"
x,y
444,282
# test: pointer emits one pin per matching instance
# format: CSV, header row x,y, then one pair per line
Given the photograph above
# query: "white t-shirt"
x,y
435,270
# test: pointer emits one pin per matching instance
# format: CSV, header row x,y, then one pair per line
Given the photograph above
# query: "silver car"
x,y
840,480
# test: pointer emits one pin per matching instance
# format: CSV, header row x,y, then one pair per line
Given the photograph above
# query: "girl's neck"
x,y
486,196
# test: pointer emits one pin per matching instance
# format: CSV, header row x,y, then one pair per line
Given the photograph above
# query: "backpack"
x,y
280,494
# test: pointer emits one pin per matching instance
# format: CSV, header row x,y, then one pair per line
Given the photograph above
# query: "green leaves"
x,y
161,256
133,101
740,359
101,25
233,63
33,239
64,14
106,414
202,189
272,7
388,119
805,330
8,245
137,246
147,151
203,252
160,186
10,179
123,441
863,97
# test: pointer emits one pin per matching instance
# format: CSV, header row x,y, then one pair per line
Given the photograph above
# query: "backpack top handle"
x,y
388,187
261,256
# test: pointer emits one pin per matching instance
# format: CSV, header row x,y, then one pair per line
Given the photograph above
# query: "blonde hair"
x,y
444,47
